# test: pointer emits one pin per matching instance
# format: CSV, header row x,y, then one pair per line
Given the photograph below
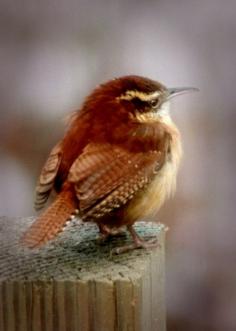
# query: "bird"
x,y
116,164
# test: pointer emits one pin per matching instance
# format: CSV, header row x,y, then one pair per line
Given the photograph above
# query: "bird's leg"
x,y
106,232
138,242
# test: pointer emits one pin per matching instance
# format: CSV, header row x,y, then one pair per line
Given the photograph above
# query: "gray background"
x,y
53,53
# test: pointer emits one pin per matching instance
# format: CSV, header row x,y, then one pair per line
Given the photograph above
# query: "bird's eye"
x,y
154,103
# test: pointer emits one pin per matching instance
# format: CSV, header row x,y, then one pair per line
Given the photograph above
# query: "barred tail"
x,y
51,222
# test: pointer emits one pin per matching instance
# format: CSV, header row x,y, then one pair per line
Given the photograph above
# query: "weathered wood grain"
x,y
74,284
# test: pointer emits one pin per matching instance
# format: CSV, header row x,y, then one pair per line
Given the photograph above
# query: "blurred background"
x,y
53,53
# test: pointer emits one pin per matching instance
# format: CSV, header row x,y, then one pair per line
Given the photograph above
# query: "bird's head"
x,y
142,99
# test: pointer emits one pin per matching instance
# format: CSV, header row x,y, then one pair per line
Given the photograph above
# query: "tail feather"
x,y
51,222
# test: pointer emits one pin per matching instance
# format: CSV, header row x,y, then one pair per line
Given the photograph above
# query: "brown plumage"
x,y
116,164
52,220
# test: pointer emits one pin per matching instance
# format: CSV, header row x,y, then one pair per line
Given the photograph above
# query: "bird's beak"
x,y
172,92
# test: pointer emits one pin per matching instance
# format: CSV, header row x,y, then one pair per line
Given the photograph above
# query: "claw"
x,y
137,243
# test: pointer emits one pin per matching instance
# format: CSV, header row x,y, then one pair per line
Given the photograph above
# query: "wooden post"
x,y
74,284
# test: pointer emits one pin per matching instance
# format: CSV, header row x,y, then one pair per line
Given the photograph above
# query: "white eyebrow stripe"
x,y
129,95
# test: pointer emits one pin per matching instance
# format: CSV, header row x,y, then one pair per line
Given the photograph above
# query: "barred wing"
x,y
47,177
107,177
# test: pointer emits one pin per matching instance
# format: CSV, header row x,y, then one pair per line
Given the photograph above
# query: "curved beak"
x,y
172,92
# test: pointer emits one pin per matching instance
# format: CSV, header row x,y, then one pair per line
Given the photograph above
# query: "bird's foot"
x,y
138,242
107,233
135,245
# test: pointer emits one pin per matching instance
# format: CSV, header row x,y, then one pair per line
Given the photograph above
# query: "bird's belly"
x,y
147,203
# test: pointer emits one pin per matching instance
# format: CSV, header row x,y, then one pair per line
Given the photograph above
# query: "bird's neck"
x,y
175,147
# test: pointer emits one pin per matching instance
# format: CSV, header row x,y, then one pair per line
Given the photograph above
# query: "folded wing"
x,y
47,177
107,176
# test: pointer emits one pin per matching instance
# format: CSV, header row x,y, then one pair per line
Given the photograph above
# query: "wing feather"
x,y
47,177
107,177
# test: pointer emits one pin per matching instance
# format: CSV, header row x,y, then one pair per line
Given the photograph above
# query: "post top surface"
x,y
74,255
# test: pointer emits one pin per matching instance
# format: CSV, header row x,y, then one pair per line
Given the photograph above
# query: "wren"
x,y
116,164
